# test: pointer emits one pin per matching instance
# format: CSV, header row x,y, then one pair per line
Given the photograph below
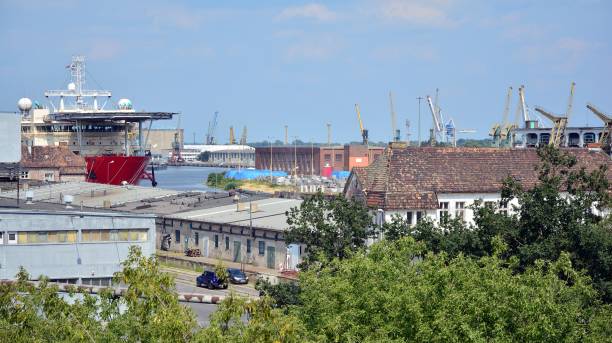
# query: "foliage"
x,y
230,185
148,311
555,215
239,320
283,294
391,293
331,227
221,272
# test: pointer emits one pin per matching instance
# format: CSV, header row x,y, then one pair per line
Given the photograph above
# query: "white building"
x,y
230,155
442,183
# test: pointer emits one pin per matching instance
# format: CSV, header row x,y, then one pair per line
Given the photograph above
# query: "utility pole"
x,y
419,123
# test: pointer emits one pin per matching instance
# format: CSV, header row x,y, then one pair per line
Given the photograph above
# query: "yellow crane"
x,y
606,136
499,130
232,138
364,132
559,122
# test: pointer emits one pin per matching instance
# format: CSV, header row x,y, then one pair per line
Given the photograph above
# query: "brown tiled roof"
x,y
53,157
412,177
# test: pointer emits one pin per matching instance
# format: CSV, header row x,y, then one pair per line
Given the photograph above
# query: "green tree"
x,y
328,226
398,292
283,294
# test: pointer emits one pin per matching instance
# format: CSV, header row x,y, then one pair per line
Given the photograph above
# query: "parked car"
x,y
237,276
210,280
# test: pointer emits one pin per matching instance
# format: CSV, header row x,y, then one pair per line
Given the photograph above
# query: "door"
x,y
237,251
271,258
204,249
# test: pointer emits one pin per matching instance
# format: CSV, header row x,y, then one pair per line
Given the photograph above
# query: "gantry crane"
x,y
395,132
438,123
176,143
212,126
559,122
499,131
243,138
606,135
364,132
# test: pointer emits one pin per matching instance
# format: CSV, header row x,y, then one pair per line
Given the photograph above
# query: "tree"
x,y
398,292
283,294
328,226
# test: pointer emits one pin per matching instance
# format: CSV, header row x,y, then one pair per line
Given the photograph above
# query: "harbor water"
x,y
184,178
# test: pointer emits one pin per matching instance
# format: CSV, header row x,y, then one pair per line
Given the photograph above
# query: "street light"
x,y
108,170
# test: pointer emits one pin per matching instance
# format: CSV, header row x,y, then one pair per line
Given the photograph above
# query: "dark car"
x,y
237,276
210,280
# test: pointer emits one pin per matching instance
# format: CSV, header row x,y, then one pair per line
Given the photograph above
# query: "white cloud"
x,y
418,12
176,16
310,11
561,54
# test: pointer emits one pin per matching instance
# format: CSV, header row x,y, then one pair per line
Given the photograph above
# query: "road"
x,y
185,283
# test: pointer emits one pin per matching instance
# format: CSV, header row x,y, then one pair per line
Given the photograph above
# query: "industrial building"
x,y
250,232
51,164
68,244
159,141
315,160
441,183
220,155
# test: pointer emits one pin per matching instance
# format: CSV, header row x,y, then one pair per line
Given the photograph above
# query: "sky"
x,y
267,64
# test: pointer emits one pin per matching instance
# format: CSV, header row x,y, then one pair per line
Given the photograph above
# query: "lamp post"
x,y
108,170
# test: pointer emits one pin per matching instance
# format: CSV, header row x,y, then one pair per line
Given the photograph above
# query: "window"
x,y
409,217
327,157
588,137
197,238
105,235
36,237
226,242
419,216
24,174
490,204
177,236
338,157
216,241
460,210
248,246
262,247
1,237
12,238
443,212
544,138
49,177
503,208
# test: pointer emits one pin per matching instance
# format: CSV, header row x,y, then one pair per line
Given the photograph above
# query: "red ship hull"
x,y
115,169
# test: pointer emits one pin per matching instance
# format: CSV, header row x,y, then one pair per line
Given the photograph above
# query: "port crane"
x,y
212,126
438,121
364,132
232,137
395,132
176,143
559,122
499,131
243,138
606,136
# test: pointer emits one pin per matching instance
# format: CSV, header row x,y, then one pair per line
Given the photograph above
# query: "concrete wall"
x,y
68,260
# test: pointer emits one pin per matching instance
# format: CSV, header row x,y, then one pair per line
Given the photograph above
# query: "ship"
x,y
112,140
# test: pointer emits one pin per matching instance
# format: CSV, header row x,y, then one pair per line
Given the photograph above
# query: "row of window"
x,y
249,247
70,236
444,213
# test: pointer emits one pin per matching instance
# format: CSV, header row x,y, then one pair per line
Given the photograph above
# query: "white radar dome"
x,y
24,104
124,104
71,87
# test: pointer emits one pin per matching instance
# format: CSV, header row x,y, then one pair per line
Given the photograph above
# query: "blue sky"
x,y
304,64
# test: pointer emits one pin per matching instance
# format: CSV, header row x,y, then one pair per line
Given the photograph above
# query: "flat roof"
x,y
90,194
10,206
269,214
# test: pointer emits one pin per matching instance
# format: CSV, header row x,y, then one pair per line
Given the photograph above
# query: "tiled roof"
x,y
53,157
412,177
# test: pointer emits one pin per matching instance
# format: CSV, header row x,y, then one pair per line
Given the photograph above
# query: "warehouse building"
x,y
69,244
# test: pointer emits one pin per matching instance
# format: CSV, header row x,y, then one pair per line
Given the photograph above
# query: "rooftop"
x,y
412,177
267,213
52,157
9,206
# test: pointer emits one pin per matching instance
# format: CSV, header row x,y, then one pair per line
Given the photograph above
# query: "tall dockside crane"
x,y
212,126
364,132
498,131
176,143
243,138
232,137
559,122
395,132
606,136
438,123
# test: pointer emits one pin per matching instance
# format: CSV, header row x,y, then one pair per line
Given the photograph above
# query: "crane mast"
x,y
364,132
395,132
606,137
212,126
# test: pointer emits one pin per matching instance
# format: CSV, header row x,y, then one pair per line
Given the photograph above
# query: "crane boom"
x,y
570,101
506,107
606,136
364,132
394,131
560,123
434,113
212,126
523,106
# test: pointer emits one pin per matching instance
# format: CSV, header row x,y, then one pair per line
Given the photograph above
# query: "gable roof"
x,y
59,157
412,177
